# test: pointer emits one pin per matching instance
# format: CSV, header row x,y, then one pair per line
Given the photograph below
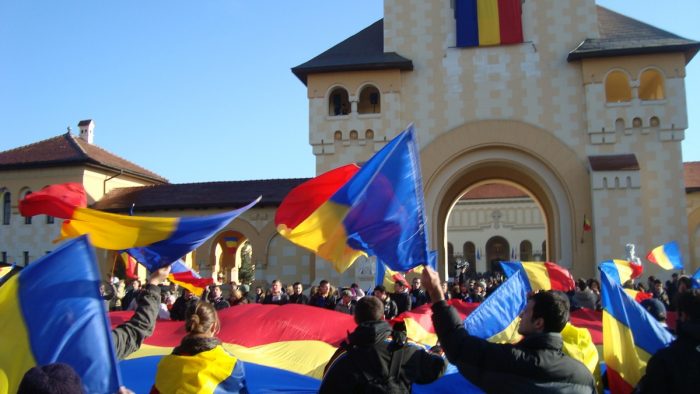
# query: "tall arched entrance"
x,y
227,254
512,153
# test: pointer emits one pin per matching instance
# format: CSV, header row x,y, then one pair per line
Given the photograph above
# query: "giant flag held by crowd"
x,y
154,241
667,256
374,210
52,312
541,276
630,336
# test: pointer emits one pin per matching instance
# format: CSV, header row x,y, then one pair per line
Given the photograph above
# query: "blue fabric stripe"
x,y
191,232
386,216
499,310
65,315
610,268
648,334
674,255
467,23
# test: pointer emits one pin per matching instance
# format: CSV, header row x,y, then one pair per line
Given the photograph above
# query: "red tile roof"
x,y
691,176
494,190
67,149
232,194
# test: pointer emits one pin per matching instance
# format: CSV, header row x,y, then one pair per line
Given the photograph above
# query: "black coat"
x,y
675,369
534,365
128,336
403,302
369,351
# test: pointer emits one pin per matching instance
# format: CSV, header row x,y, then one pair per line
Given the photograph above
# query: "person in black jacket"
x,y
401,297
676,369
534,365
297,296
370,362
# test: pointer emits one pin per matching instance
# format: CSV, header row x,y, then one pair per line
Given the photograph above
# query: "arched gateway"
x,y
517,153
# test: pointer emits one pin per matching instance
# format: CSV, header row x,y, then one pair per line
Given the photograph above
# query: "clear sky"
x,y
195,90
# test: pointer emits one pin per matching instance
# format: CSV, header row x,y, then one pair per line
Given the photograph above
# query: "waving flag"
x,y
187,278
154,241
630,336
386,277
497,318
55,200
621,271
376,210
52,312
541,276
667,256
130,265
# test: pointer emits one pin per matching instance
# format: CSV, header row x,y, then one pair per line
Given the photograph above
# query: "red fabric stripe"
x,y
560,277
304,199
256,324
617,384
510,21
55,200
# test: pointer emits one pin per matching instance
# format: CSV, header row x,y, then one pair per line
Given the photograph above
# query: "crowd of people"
x,y
377,357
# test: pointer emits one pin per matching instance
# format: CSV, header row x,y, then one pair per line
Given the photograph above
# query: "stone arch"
x,y
239,226
518,153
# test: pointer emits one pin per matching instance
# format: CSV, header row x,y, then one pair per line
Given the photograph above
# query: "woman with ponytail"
x,y
200,364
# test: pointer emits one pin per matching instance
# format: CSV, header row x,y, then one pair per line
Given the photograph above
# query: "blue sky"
x,y
194,90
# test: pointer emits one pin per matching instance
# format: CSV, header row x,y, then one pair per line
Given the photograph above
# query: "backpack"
x,y
386,383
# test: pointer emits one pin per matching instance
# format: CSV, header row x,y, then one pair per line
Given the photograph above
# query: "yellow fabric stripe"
x,y
538,276
150,350
323,232
620,353
115,232
662,258
200,374
302,357
578,344
489,24
16,355
416,333
509,334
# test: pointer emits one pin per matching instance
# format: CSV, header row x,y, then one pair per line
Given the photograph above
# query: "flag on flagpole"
x,y
52,312
621,270
187,278
130,265
667,256
387,277
374,210
586,224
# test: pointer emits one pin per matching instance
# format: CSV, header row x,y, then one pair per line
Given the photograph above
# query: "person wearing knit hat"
x,y
58,378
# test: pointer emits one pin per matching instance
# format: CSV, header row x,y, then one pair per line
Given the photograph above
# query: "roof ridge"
x,y
34,143
72,141
143,170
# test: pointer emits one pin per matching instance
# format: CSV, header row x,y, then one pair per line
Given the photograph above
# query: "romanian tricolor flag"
x,y
387,277
374,210
621,270
130,265
283,348
187,278
497,318
154,241
488,22
630,336
541,276
667,256
52,312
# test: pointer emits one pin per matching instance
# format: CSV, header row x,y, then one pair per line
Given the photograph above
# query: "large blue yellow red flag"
x,y
621,270
541,275
630,336
52,312
187,278
488,22
667,256
154,241
374,210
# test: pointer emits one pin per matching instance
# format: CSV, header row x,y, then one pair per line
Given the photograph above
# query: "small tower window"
x,y
651,85
369,134
617,87
353,134
370,102
338,102
338,135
